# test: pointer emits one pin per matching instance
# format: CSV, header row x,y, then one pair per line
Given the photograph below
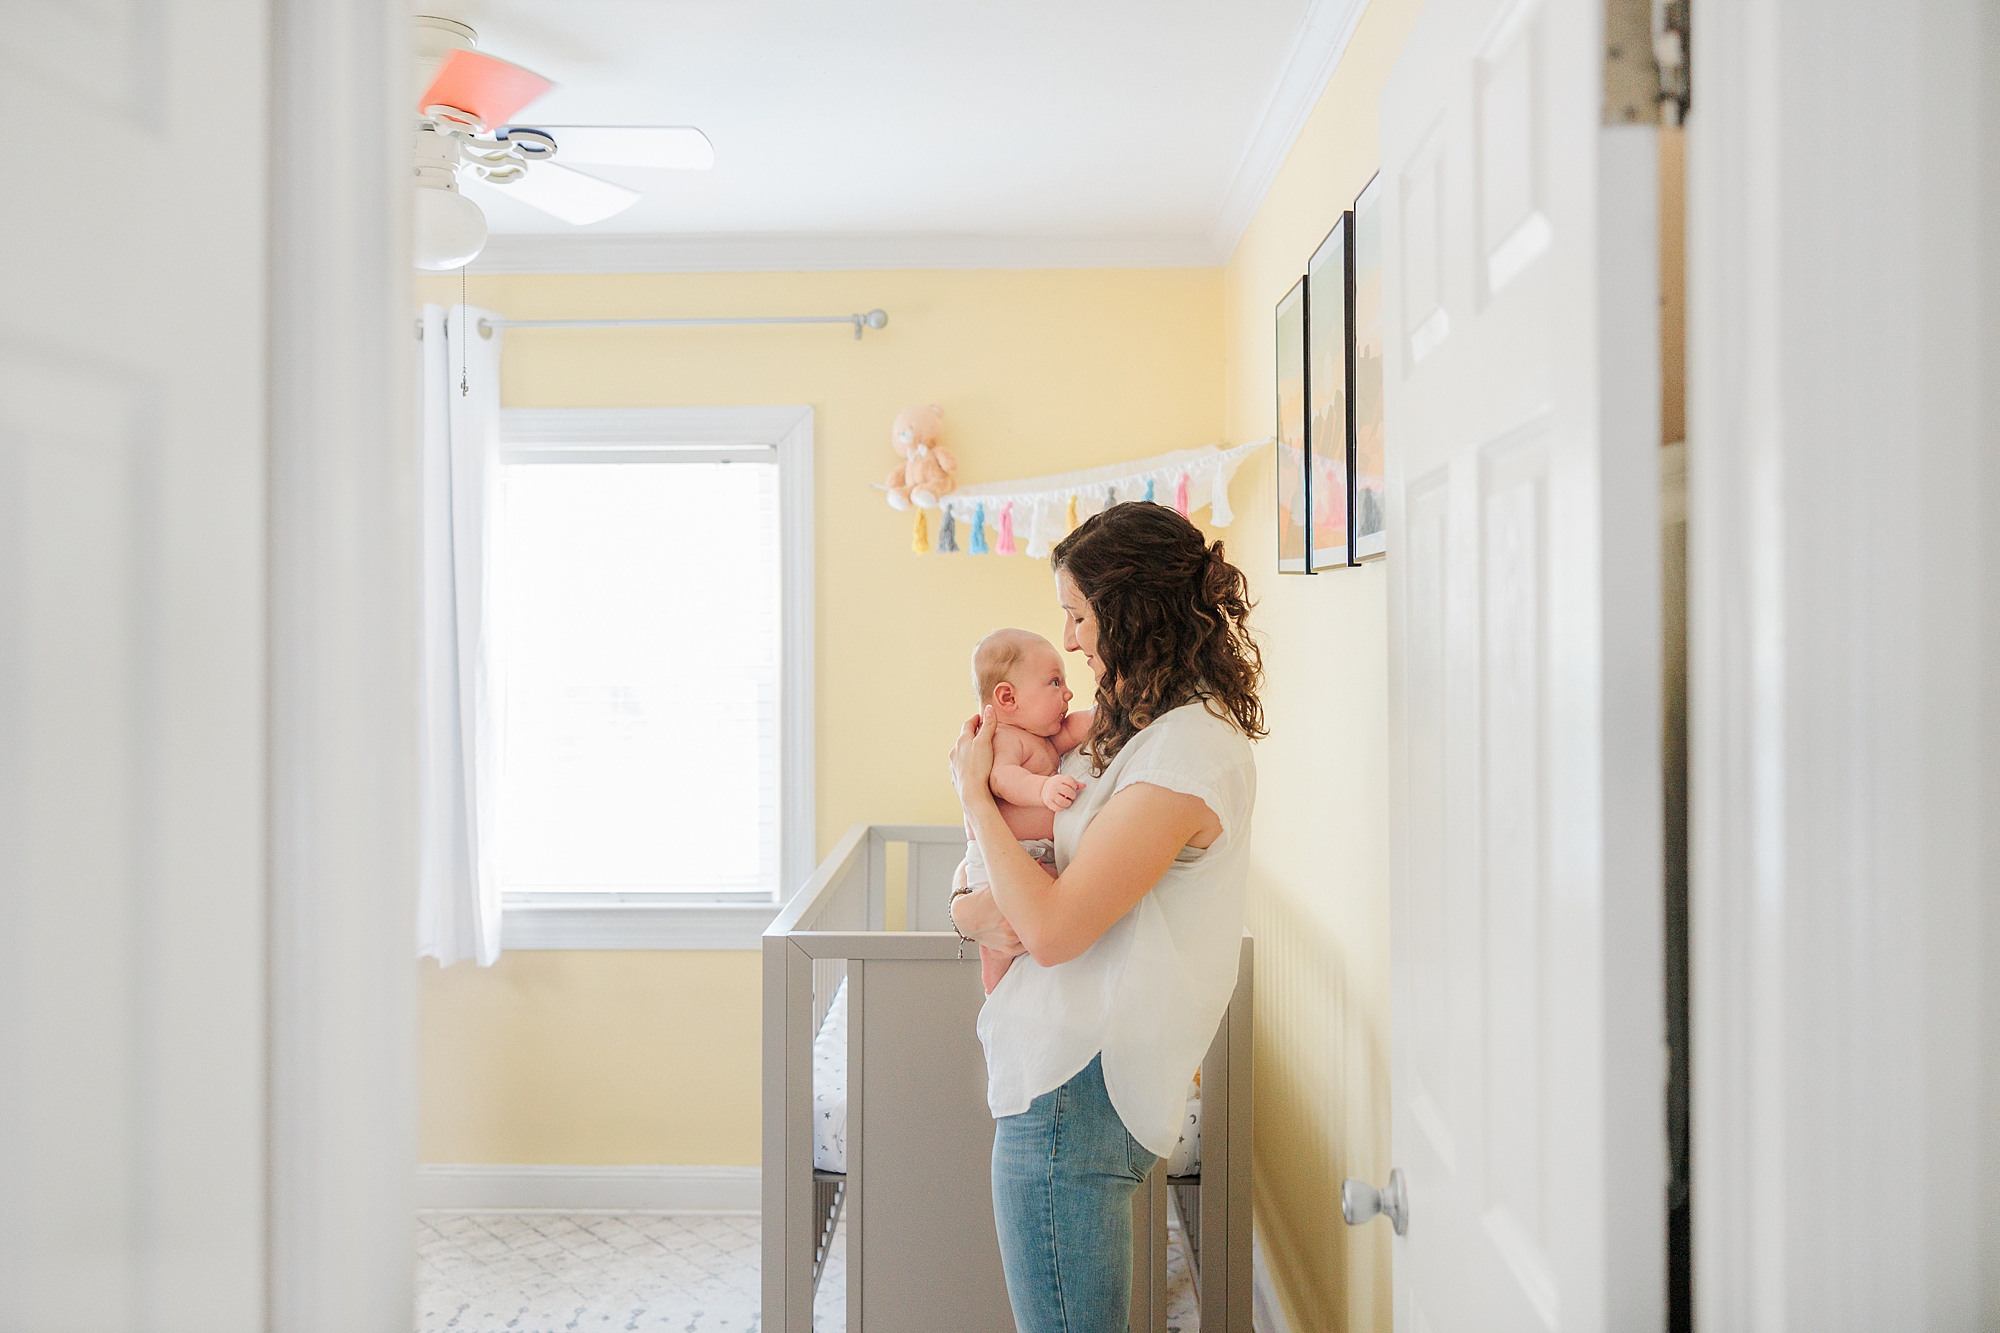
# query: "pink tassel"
x,y
1005,546
1180,495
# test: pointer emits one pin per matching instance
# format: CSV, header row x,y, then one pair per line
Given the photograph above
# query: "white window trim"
x,y
606,434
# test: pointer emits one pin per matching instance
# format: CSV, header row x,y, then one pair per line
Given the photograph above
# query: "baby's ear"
x,y
1003,695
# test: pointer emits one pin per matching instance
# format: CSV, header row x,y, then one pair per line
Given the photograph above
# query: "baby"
x,y
1021,676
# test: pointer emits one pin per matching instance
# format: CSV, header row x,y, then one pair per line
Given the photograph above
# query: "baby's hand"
x,y
1059,792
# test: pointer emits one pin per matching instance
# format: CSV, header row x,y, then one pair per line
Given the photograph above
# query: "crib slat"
x,y
877,917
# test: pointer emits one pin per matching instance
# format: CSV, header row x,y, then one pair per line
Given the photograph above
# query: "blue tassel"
x,y
979,529
1149,490
947,534
1110,496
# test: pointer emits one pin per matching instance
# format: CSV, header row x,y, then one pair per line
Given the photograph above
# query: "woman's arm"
x,y
1130,843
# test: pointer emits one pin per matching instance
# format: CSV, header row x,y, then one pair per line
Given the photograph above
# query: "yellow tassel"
x,y
1072,513
920,538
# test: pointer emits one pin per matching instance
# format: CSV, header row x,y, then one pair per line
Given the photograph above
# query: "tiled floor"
x,y
532,1272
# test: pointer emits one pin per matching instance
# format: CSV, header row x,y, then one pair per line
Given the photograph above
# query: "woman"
x,y
1131,949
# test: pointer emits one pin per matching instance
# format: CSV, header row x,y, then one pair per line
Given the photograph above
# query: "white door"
x,y
132,835
1521,364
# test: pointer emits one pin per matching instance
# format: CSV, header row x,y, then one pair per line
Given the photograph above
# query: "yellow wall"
x,y
1320,875
604,1057
597,1057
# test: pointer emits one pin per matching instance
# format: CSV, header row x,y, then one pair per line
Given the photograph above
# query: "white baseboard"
x,y
1266,1314
654,1189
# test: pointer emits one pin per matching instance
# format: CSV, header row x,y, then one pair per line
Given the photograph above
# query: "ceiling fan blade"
x,y
570,195
669,147
482,86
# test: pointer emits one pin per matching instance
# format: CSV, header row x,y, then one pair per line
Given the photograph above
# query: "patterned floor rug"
x,y
543,1272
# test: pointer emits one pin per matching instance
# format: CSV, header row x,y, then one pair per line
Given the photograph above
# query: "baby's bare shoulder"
x,y
1012,745
1009,744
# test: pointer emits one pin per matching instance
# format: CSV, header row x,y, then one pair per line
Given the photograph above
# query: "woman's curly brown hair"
x,y
1171,623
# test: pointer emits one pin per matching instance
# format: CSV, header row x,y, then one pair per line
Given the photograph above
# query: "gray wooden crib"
x,y
922,1254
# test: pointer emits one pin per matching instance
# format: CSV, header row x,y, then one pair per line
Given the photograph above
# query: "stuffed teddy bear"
x,y
925,474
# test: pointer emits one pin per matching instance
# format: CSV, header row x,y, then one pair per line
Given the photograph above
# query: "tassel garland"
x,y
1186,479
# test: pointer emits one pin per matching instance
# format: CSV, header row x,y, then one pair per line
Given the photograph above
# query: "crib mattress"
x,y
830,1101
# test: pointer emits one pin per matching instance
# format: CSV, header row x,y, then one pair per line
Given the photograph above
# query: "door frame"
x,y
1844,690
342,666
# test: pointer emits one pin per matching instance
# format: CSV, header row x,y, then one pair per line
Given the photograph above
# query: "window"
x,y
652,600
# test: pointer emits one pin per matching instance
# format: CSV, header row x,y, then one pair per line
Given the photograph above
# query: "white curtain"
x,y
458,896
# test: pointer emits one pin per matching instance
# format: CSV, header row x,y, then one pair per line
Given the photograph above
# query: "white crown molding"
x,y
495,1187
1315,54
581,252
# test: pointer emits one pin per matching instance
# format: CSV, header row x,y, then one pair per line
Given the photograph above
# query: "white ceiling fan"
x,y
464,107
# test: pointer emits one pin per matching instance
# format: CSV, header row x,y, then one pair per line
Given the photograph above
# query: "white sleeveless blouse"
x,y
1149,993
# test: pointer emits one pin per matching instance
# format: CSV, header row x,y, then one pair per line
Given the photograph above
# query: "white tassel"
x,y
1220,515
1039,522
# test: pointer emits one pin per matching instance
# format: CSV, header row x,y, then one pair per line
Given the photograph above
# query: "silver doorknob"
x,y
1360,1201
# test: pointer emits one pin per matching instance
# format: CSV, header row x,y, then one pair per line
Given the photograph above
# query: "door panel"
x,y
132,410
1512,301
1513,827
1431,962
1513,229
72,575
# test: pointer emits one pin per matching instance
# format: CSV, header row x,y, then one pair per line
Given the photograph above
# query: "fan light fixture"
x,y
451,231
464,93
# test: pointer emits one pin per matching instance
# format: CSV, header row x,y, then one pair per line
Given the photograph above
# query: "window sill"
x,y
721,926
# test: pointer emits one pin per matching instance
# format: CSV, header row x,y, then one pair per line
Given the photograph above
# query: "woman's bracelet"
x,y
963,938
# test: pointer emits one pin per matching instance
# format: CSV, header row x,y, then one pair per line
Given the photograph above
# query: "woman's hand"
x,y
972,760
978,919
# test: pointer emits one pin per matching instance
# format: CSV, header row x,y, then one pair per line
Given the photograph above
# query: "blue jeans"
x,y
1063,1175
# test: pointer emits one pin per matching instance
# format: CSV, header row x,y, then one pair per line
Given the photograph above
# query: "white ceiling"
x,y
1152,126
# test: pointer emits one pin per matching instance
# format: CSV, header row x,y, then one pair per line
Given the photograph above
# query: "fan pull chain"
x,y
464,387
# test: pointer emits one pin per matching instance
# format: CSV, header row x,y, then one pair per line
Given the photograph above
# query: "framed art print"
x,y
1370,472
1294,481
1329,376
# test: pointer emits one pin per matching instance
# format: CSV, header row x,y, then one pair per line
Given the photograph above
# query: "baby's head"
x,y
1021,675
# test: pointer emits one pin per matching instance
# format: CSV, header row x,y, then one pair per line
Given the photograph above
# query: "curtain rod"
x,y
874,319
